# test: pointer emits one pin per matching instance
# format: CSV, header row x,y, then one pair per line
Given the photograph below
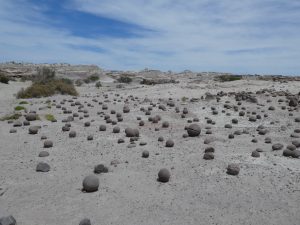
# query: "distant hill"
x,y
64,70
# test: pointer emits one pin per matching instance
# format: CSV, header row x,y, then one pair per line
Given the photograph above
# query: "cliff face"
x,y
64,70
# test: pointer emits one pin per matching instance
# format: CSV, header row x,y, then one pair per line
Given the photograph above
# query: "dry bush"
x,y
58,86
125,79
226,78
4,79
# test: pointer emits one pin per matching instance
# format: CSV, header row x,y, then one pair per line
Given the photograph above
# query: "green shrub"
x,y
64,88
19,108
125,79
4,79
23,103
90,79
27,78
93,78
14,116
184,99
98,84
41,89
67,81
45,84
49,117
87,80
226,78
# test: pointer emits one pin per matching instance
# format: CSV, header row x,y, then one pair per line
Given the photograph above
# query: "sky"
x,y
238,36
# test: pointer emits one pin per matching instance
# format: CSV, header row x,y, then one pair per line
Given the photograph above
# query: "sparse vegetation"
x,y
78,82
125,79
49,117
98,84
4,79
158,81
184,99
26,78
37,90
94,78
44,75
67,81
91,79
226,78
19,108
87,80
48,85
23,103
14,116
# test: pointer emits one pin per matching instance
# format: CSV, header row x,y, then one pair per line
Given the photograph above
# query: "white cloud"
x,y
255,36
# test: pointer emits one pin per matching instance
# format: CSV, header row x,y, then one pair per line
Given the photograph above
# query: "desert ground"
x,y
200,190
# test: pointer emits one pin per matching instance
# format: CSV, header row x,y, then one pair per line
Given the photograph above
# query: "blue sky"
x,y
239,36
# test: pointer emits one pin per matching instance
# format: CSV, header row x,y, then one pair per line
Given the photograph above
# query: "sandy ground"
x,y
266,191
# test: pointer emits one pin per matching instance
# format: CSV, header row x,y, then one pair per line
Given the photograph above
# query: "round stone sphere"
x,y
277,147
145,154
13,130
48,144
161,139
169,143
102,128
85,222
43,154
116,130
42,167
65,128
130,132
100,168
90,137
72,134
296,154
193,130
17,124
90,183
288,153
26,123
164,175
208,156
33,130
165,124
233,169
126,109
255,154
209,149
31,117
